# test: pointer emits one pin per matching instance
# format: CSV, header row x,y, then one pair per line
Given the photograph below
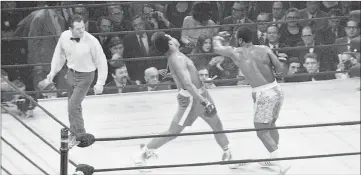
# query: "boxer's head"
x,y
164,43
244,36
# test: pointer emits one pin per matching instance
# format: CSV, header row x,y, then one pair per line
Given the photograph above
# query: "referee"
x,y
83,54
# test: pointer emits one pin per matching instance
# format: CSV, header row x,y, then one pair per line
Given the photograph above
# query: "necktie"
x,y
261,39
141,43
75,39
335,32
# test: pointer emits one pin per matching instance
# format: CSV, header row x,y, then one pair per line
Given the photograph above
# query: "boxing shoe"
x,y
141,158
227,156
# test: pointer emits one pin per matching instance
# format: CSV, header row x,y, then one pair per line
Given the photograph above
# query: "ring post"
x,y
64,152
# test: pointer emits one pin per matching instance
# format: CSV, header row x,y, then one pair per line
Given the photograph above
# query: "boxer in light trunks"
x,y
256,64
193,101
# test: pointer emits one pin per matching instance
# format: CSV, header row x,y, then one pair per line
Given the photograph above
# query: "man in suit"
x,y
273,42
45,22
120,80
313,11
260,36
352,31
239,16
312,65
138,45
326,57
151,76
332,31
277,12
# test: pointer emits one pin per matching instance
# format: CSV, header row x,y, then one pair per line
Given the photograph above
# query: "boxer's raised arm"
x,y
182,72
274,59
218,47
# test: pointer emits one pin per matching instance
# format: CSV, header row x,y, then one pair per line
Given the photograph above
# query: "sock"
x,y
274,153
225,148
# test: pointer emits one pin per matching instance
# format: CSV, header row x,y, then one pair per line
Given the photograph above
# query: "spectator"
x,y
156,19
90,25
201,17
326,56
116,15
312,65
239,16
327,6
16,104
13,51
260,36
5,87
352,31
104,24
291,31
204,76
273,41
204,45
138,45
278,13
332,31
120,80
45,22
346,61
293,67
313,11
176,12
116,49
151,76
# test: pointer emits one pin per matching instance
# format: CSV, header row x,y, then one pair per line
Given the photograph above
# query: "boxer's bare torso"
x,y
177,60
256,64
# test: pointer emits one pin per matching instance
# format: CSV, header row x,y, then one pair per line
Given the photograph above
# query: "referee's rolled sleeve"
x,y
58,59
101,63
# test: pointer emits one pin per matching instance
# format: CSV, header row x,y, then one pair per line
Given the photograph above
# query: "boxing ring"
x,y
147,113
319,129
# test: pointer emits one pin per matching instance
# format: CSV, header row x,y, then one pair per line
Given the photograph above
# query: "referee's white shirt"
x,y
84,56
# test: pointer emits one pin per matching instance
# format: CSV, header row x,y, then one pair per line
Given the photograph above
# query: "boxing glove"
x,y
210,109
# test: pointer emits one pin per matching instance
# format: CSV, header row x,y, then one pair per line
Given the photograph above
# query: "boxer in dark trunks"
x,y
256,64
193,100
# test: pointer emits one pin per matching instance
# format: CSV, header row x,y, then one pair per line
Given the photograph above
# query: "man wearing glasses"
x,y
327,58
352,31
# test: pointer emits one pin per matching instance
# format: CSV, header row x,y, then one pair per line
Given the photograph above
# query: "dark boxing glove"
x,y
210,109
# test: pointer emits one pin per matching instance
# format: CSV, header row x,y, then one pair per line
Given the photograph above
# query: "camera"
x,y
154,14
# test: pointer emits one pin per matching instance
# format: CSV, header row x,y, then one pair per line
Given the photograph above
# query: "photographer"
x,y
156,19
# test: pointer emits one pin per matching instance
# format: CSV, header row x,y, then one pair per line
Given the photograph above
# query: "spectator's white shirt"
x,y
259,34
83,56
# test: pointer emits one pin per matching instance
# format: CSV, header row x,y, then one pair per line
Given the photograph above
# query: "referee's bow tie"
x,y
75,39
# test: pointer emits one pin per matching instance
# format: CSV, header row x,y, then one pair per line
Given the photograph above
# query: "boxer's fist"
x,y
210,109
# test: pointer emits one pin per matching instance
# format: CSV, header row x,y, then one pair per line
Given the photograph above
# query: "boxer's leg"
x,y
214,122
160,141
263,117
276,111
183,117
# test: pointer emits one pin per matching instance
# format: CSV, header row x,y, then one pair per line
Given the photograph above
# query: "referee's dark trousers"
x,y
79,84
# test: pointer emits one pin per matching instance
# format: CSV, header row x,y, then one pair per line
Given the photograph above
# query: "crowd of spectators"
x,y
179,14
